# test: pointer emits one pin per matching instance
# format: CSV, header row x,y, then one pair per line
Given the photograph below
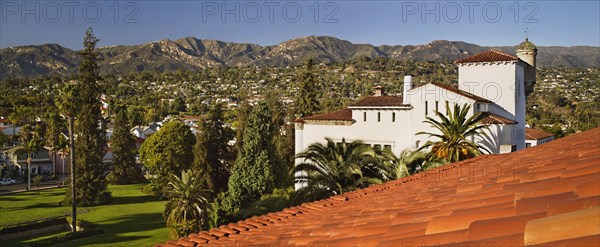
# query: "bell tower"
x,y
527,52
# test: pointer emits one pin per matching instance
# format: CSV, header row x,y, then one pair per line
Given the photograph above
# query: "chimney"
x,y
407,86
378,90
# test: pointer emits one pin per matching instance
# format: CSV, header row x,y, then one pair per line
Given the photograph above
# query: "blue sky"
x,y
115,22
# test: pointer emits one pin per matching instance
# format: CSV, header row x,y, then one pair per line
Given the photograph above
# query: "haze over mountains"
x,y
194,54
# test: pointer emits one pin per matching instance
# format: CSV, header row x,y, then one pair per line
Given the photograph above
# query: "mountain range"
x,y
194,54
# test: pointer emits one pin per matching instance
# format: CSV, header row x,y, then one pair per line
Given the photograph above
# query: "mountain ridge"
x,y
195,54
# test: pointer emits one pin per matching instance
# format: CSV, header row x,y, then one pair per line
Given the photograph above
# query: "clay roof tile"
x,y
543,195
488,56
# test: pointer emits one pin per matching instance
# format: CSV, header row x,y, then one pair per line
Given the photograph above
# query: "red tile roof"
x,y
458,91
339,115
534,134
488,56
546,195
491,118
380,101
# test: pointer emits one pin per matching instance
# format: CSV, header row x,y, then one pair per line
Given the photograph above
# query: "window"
x,y
393,117
436,106
527,145
388,147
478,107
426,108
364,116
379,117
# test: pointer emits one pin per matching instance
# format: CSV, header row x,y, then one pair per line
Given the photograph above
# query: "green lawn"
x,y
132,219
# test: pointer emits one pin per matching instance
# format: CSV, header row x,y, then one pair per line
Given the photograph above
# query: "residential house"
x,y
534,137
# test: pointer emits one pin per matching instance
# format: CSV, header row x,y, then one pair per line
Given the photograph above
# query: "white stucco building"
x,y
493,82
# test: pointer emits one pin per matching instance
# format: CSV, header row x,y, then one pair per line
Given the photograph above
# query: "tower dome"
x,y
526,45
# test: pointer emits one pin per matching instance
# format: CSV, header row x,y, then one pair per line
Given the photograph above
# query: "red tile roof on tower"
x,y
491,118
380,101
339,115
488,56
534,134
547,195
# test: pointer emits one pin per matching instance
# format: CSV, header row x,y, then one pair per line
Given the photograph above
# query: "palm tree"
x,y
335,168
456,131
407,163
53,138
31,144
188,204
13,119
62,147
68,107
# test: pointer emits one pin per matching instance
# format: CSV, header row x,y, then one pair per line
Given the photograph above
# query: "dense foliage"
x,y
124,169
168,152
307,98
253,171
212,153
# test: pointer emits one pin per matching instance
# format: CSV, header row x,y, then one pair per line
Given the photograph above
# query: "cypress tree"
x,y
212,153
124,170
307,98
90,136
252,175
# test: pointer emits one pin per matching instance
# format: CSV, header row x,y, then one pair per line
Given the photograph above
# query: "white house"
x,y
145,131
493,82
534,137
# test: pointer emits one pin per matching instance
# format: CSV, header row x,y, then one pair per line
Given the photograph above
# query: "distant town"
x,y
289,154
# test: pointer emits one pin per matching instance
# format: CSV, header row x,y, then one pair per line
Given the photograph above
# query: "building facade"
x,y
492,82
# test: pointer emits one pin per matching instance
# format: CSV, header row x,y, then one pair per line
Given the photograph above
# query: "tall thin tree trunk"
x,y
53,162
28,171
62,156
72,161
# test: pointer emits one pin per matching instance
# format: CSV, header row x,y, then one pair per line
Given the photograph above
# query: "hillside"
x,y
195,54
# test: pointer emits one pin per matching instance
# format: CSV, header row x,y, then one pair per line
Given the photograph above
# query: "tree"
x,y
252,175
31,143
335,168
13,119
89,130
4,139
455,130
212,153
68,107
54,127
407,163
123,146
280,141
168,152
188,206
307,98
178,105
241,117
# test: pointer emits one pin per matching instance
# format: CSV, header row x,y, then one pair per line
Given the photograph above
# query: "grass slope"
x,y
132,219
